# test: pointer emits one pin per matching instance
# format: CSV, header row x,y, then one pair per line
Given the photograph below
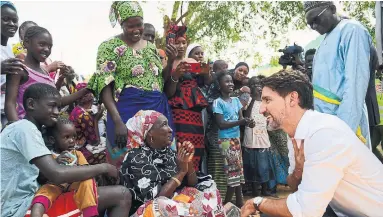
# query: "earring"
x,y
151,139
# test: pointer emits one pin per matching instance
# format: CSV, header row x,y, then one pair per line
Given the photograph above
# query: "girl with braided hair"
x,y
38,42
20,51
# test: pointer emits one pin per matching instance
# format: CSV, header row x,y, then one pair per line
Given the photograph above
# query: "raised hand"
x,y
171,52
181,69
56,65
182,157
189,147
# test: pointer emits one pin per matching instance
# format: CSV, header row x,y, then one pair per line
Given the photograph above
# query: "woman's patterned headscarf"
x,y
139,126
122,10
179,31
145,170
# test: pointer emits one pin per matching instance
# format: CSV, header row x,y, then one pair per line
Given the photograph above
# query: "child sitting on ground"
x,y
62,137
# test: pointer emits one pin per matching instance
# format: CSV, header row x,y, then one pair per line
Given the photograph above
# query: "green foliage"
x,y
363,11
257,60
226,22
274,61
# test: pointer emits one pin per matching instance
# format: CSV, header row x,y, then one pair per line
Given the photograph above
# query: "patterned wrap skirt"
x,y
215,160
233,163
188,126
187,105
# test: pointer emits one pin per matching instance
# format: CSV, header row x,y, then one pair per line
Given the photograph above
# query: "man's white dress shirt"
x,y
339,170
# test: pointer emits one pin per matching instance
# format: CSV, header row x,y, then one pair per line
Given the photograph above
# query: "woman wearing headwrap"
x,y
186,97
162,182
129,76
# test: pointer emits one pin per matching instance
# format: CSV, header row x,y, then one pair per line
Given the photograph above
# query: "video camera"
x,y
287,59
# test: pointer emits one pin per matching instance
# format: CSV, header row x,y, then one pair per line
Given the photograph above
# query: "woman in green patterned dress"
x,y
129,76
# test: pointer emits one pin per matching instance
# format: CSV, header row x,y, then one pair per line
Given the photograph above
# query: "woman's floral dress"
x,y
127,67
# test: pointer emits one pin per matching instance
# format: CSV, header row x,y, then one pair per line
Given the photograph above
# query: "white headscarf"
x,y
190,48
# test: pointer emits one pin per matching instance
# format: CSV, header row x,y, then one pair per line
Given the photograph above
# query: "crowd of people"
x,y
160,132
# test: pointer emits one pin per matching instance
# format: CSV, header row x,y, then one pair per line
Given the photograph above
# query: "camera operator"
x,y
291,57
309,58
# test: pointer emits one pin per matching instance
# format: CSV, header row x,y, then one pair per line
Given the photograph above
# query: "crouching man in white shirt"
x,y
332,166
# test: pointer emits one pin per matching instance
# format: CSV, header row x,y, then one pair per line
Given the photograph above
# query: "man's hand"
x,y
248,208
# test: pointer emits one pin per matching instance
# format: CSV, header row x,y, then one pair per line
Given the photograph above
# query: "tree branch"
x,y
176,6
181,17
182,4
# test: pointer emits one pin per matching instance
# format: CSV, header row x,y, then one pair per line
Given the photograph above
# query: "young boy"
x,y
24,154
256,143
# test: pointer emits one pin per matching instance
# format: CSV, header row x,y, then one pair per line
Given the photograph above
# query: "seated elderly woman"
x,y
162,182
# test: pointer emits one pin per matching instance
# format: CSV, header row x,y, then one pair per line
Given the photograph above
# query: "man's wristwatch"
x,y
257,202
